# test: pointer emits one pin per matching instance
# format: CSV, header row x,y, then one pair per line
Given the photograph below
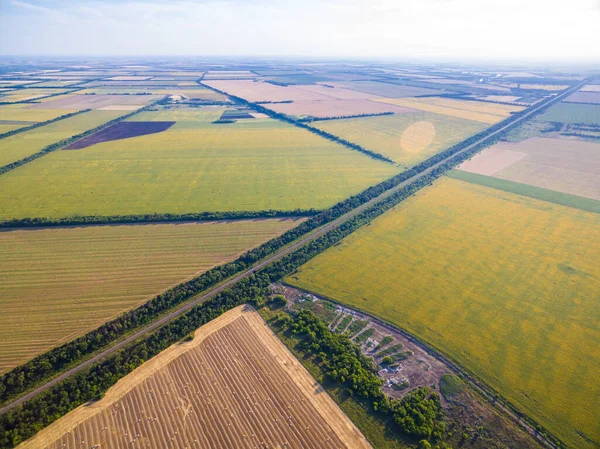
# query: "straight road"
x,y
275,257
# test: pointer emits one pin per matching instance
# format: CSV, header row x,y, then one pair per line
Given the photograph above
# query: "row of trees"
x,y
37,125
155,217
341,117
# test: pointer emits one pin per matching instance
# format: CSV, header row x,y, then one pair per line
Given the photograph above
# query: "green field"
x,y
572,113
540,193
195,166
59,283
405,138
24,144
26,113
504,284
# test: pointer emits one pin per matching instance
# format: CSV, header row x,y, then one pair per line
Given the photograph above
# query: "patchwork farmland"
x,y
194,166
59,283
233,385
25,144
521,316
406,138
567,166
481,267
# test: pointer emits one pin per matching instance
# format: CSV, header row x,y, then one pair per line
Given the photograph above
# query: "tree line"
x,y
419,414
37,125
341,117
154,217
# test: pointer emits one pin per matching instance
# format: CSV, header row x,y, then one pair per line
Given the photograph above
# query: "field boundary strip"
x,y
62,143
37,125
539,193
431,169
37,100
100,220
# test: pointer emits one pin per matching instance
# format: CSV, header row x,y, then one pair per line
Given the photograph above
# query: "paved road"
x,y
283,252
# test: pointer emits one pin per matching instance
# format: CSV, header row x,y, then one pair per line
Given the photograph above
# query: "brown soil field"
x,y
563,165
338,91
584,97
389,90
121,130
260,91
336,108
590,88
235,385
94,101
491,161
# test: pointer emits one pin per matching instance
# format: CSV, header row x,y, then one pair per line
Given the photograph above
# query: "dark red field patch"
x,y
121,130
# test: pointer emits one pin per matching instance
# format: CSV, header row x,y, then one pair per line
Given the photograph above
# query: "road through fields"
x,y
275,257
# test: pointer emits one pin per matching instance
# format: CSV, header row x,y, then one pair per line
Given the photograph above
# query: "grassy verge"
x,y
564,199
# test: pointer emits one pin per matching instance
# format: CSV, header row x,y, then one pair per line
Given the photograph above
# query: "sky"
x,y
480,30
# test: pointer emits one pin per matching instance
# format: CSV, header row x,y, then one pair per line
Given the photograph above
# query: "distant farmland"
x,y
21,145
471,110
235,385
572,113
194,166
405,138
58,283
504,284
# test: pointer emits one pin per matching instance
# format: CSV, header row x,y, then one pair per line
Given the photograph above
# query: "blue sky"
x,y
530,30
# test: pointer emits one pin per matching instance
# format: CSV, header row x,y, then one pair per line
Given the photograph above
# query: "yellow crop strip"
x,y
59,283
506,285
469,110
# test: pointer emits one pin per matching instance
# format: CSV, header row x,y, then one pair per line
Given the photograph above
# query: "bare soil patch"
x,y
121,130
563,165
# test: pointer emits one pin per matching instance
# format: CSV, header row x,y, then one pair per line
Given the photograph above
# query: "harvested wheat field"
x,y
470,110
235,385
56,284
568,166
261,91
96,101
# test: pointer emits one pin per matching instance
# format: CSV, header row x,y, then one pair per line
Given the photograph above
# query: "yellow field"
x,y
235,385
58,283
194,166
27,143
508,286
405,138
470,110
23,112
27,94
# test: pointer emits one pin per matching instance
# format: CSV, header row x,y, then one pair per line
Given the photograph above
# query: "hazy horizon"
x,y
534,31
